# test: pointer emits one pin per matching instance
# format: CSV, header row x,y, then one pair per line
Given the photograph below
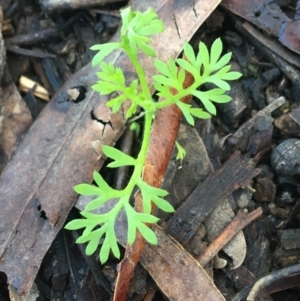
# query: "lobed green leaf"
x,y
216,50
120,159
87,189
96,203
185,109
147,233
101,182
104,50
224,60
189,53
199,113
204,55
77,224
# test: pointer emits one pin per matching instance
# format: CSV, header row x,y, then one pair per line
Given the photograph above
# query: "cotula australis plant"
x,y
205,66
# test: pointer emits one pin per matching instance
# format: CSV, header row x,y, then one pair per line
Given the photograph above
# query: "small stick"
x,y
267,280
240,221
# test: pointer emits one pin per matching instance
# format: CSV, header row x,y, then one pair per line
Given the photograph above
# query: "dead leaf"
x,y
179,275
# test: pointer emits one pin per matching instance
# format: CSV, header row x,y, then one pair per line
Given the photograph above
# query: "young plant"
x,y
205,66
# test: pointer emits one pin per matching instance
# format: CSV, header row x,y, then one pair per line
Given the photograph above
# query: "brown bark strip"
x,y
163,135
240,221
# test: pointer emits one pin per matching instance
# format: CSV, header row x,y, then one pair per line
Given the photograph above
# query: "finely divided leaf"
x,y
162,67
147,49
87,189
221,98
147,233
199,113
232,75
190,68
204,55
77,224
222,62
155,195
146,218
94,241
218,82
105,49
96,203
101,182
216,50
185,109
206,102
120,158
189,53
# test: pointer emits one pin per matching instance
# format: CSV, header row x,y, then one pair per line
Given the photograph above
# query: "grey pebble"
x,y
285,158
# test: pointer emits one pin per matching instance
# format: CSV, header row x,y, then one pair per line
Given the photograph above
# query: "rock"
x,y
285,158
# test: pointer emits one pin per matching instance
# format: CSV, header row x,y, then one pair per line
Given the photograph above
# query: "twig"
x,y
240,221
267,280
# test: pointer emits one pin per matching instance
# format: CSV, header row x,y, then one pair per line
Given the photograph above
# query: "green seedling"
x,y
205,66
181,152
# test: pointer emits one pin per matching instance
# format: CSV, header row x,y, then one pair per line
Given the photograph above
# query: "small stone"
x,y
285,158
243,198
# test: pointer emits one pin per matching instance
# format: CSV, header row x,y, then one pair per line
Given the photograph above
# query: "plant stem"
x,y
138,168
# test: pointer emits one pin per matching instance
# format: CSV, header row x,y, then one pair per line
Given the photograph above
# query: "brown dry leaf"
x,y
61,150
177,273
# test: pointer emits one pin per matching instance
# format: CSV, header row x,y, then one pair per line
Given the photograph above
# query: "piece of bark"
x,y
59,5
258,257
234,173
289,239
60,151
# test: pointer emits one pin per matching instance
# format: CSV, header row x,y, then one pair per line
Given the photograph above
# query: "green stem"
x,y
171,100
140,72
140,161
138,168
